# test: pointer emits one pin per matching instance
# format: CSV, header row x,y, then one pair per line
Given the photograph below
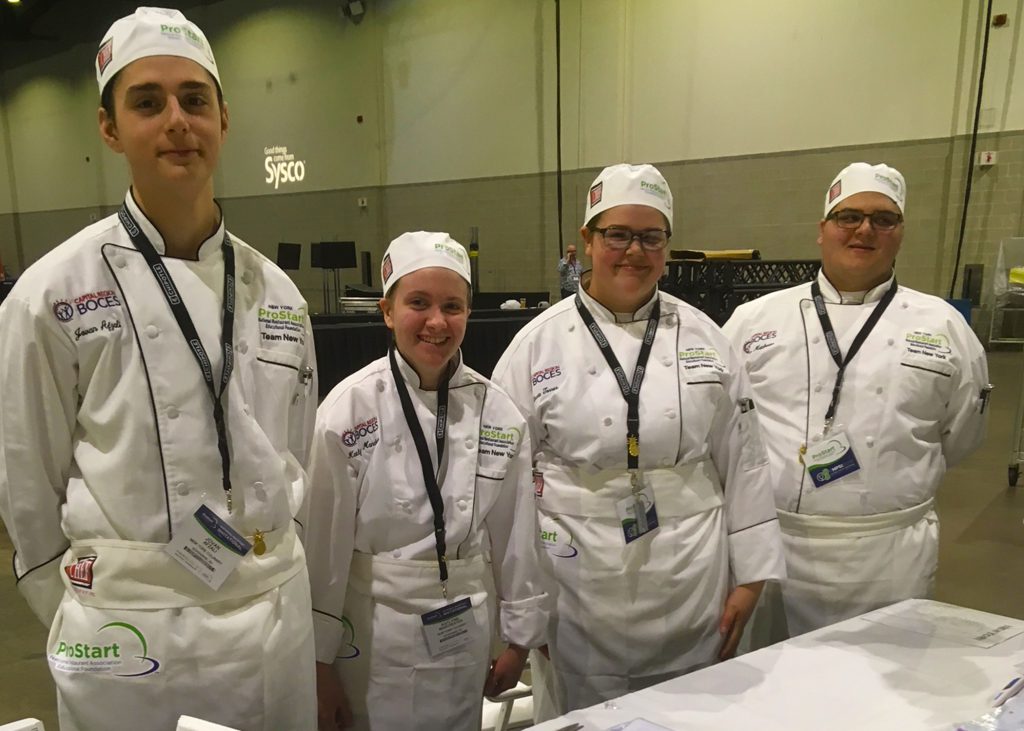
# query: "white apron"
x,y
623,621
840,566
138,641
392,682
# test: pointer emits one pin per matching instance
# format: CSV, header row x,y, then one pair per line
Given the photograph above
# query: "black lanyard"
x,y
429,476
833,343
630,390
188,330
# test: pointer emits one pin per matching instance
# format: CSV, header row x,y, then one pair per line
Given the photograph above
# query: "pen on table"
x,y
1008,691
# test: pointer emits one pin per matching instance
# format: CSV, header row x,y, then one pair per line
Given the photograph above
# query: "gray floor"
x,y
981,556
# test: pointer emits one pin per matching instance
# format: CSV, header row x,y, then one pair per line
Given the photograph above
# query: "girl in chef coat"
x,y
652,484
422,531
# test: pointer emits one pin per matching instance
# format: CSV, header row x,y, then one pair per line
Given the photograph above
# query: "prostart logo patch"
x,y
117,648
80,572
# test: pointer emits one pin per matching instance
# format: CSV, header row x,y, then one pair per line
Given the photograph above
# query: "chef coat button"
x,y
152,331
892,341
870,441
247,276
469,444
181,488
172,413
665,462
119,262
243,347
667,362
817,389
905,305
815,340
816,438
246,410
396,554
380,386
670,413
398,447
607,421
572,328
878,390
592,371
462,504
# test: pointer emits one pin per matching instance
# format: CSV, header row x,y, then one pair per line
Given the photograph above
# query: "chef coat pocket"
x,y
280,392
700,393
923,388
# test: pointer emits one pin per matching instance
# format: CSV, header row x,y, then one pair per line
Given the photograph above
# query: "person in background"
x,y
652,487
569,272
158,389
422,510
867,392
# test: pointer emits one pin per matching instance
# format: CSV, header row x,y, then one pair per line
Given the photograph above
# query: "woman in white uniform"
x,y
422,529
158,399
652,485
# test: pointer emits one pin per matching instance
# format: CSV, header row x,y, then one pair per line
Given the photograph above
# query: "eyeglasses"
x,y
851,218
620,238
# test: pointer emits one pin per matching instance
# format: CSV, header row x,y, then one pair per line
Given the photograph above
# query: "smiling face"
x,y
623,280
427,310
858,259
168,123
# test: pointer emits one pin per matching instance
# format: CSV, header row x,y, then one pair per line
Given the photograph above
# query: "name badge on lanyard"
x,y
830,460
833,458
450,627
207,547
637,513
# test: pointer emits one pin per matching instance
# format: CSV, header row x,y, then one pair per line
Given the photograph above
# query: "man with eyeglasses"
x,y
867,392
569,271
652,486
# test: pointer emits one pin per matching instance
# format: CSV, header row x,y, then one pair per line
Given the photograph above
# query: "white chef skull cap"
x,y
417,250
861,177
152,32
625,184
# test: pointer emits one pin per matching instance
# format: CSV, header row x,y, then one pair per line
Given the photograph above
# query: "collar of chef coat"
x,y
600,312
832,296
413,379
208,248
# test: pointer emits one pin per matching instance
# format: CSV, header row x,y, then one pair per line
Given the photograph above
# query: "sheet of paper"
x,y
638,724
948,622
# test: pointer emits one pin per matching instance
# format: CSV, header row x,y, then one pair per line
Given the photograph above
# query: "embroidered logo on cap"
x,y
835,191
105,55
889,181
387,268
595,194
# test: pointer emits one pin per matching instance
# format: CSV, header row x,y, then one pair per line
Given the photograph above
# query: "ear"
x,y
223,120
108,131
821,230
387,310
588,236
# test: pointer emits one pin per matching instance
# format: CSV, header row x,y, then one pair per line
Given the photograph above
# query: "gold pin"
x,y
803,451
259,546
633,445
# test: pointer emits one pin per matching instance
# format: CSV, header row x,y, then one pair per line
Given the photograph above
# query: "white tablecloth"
x,y
917,665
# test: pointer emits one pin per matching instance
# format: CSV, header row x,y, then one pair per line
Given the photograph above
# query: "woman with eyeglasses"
x,y
652,485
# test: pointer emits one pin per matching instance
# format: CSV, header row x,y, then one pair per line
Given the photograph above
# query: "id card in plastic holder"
x,y
638,514
830,460
207,546
449,627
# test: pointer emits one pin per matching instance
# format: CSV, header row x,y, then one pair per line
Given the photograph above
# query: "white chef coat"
x,y
108,443
912,404
630,615
372,552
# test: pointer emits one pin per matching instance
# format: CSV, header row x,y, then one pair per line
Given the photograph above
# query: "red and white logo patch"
x,y
595,194
835,191
105,55
80,572
386,269
538,483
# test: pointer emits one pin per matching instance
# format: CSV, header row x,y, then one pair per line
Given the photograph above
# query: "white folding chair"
x,y
28,724
187,723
